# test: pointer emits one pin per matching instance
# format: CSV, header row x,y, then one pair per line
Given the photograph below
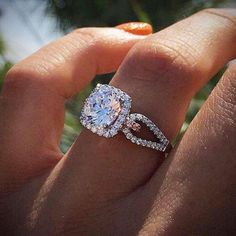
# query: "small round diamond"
x,y
93,129
133,139
100,132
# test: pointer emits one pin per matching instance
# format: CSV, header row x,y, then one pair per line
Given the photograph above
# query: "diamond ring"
x,y
107,111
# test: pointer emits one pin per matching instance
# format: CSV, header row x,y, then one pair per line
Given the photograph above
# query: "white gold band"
x,y
107,111
162,142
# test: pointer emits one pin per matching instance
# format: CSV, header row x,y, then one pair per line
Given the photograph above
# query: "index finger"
x,y
33,97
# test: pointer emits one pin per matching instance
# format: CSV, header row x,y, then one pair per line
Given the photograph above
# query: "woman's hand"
x,y
111,186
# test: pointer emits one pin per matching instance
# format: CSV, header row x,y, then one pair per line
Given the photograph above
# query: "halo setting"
x,y
107,111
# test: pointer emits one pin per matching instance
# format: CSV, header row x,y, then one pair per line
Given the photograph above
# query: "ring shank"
x,y
161,144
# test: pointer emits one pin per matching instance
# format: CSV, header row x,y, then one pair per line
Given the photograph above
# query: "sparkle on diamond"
x,y
103,108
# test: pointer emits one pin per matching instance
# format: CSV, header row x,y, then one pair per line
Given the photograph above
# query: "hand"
x,y
111,186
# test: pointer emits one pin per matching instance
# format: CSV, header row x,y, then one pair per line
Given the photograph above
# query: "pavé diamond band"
x,y
107,111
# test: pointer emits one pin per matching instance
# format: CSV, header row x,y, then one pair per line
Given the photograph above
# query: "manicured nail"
x,y
139,28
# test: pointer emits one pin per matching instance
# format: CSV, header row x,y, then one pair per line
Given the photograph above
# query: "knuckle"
x,y
223,102
87,36
222,108
161,59
18,71
230,74
228,84
91,40
20,78
228,15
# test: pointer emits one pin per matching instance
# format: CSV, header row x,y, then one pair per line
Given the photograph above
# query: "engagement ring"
x,y
107,111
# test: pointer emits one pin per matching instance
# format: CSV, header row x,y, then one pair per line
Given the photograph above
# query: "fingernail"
x,y
138,28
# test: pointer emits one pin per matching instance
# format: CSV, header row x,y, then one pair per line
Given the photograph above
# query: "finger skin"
x,y
197,185
99,192
161,74
33,97
199,190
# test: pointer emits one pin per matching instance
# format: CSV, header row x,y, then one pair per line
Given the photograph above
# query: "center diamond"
x,y
103,108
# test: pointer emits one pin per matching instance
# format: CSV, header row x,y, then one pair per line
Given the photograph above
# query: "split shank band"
x,y
107,111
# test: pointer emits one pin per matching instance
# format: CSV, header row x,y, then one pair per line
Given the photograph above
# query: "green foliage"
x,y
72,125
3,70
5,65
2,47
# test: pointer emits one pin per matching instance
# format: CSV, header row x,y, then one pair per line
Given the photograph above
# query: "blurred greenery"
x,y
79,13
5,65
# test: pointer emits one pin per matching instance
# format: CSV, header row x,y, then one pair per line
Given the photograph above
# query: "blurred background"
x,y
27,25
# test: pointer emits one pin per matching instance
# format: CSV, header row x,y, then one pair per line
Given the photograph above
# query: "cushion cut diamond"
x,y
105,110
102,108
